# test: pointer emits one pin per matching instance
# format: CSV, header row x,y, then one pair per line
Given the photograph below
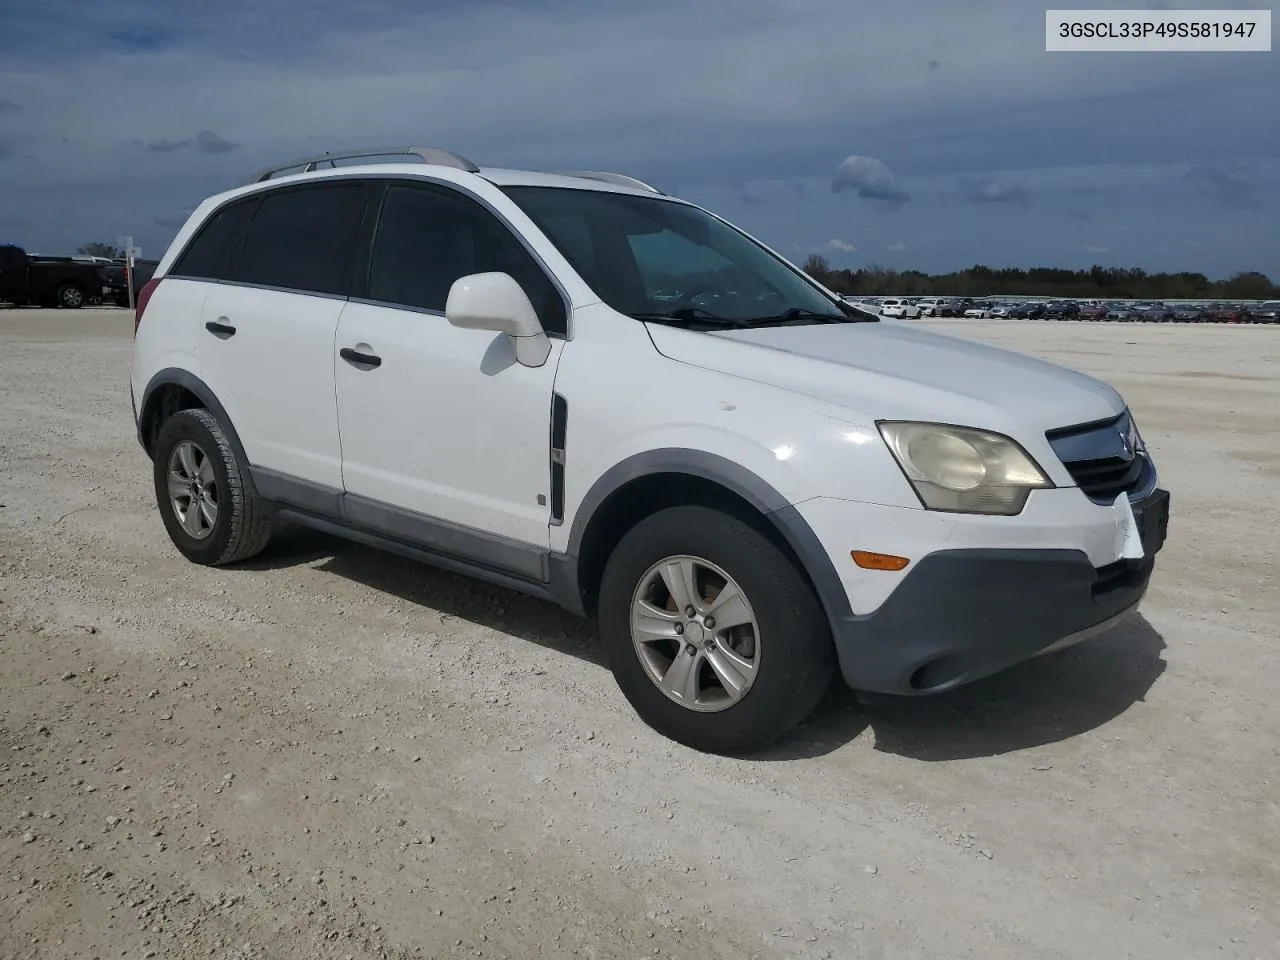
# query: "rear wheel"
x,y
200,489
70,296
713,634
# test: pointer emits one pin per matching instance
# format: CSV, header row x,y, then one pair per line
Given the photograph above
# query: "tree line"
x,y
100,249
1096,283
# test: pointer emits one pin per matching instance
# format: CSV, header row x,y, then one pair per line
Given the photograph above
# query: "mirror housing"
x,y
494,301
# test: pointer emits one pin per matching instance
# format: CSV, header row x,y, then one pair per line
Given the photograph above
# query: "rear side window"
x,y
208,257
305,239
428,237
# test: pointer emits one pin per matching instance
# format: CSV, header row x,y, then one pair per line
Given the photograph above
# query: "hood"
x,y
891,371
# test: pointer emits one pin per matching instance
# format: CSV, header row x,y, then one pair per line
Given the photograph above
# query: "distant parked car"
x,y
50,281
1268,312
931,306
1092,311
1226,313
118,281
1062,310
1153,312
1027,311
1188,313
894,307
1121,312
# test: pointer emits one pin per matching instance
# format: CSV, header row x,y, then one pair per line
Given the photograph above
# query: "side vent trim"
x,y
559,430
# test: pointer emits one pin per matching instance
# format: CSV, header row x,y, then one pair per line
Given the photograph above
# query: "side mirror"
x,y
494,301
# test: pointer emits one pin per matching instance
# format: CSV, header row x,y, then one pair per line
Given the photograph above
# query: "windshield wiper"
x,y
799,313
694,315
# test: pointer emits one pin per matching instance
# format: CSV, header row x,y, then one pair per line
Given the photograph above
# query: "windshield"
x,y
658,259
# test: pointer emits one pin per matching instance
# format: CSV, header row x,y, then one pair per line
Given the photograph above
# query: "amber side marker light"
x,y
878,561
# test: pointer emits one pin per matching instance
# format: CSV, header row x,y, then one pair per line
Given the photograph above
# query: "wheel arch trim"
x,y
737,479
177,377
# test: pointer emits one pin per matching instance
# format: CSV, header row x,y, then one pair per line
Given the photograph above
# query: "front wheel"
x,y
713,634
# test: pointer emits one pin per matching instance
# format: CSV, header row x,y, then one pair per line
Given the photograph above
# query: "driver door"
x,y
443,424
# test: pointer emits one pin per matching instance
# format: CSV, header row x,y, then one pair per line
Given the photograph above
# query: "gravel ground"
x,y
328,752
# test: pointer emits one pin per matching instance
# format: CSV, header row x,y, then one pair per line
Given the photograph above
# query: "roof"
x,y
440,165
499,176
440,160
502,177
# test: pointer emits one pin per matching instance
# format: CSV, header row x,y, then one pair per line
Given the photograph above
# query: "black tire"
x,y
796,661
71,296
242,527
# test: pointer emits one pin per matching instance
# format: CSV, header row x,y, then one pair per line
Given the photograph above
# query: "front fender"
x,y
684,448
738,479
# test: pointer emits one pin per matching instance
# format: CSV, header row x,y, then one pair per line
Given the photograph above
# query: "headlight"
x,y
962,470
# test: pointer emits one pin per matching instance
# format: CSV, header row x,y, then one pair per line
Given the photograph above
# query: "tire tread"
x,y
808,661
251,524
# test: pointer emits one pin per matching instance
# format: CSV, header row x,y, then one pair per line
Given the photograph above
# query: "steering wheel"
x,y
687,298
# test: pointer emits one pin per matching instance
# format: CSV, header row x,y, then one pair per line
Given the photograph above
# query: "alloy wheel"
x,y
695,633
193,490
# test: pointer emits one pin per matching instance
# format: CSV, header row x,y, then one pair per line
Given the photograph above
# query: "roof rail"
x,y
620,179
430,155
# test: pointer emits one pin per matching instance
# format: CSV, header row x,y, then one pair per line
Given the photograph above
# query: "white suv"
x,y
900,309
750,483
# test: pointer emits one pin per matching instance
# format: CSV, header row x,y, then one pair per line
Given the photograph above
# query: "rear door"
x,y
267,347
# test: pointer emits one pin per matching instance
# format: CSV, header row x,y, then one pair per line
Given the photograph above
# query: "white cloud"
x,y
992,189
869,177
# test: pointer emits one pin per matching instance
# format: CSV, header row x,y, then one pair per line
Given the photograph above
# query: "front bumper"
x,y
962,614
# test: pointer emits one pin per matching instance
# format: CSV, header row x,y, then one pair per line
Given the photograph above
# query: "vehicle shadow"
x,y
449,594
1037,702
1041,701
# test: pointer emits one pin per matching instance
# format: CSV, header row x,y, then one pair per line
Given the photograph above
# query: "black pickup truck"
x,y
117,279
49,281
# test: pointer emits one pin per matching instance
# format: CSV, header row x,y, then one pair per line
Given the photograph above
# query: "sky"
x,y
930,135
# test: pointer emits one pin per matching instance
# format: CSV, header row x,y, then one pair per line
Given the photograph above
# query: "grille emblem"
x,y
1126,445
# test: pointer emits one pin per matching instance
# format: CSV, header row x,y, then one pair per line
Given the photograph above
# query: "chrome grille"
x,y
1105,459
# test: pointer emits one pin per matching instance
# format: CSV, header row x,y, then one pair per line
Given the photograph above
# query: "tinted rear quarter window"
x,y
305,238
208,256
